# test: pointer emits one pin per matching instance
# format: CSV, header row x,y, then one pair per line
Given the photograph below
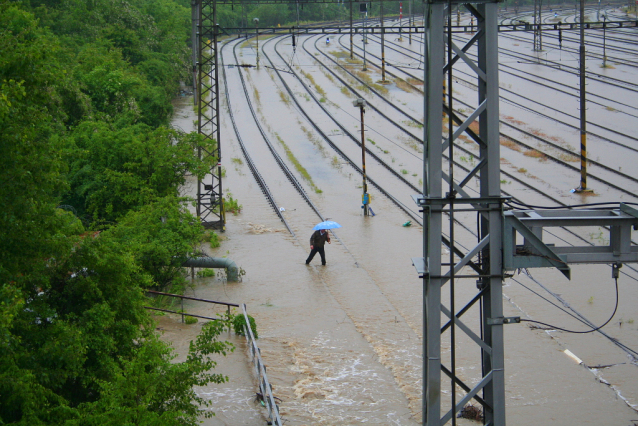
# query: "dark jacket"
x,y
319,240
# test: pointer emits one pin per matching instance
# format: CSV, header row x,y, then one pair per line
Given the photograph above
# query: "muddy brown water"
x,y
342,342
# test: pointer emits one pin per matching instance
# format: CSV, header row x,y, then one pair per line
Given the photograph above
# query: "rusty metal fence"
x,y
265,388
183,314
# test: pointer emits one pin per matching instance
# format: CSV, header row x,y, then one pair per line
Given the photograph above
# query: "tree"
x,y
113,171
162,235
74,334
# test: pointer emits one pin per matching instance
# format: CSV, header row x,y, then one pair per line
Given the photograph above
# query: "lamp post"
x,y
256,21
361,103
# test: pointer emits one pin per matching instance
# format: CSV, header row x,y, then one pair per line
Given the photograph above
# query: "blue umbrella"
x,y
328,224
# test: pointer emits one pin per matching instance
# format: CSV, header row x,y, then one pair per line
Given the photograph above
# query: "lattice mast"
x,y
441,201
210,201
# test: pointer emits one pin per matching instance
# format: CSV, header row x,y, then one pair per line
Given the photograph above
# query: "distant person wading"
x,y
317,242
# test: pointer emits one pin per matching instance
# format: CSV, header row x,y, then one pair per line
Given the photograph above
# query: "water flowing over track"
x,y
289,113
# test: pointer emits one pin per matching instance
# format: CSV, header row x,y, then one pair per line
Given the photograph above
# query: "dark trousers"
x,y
314,251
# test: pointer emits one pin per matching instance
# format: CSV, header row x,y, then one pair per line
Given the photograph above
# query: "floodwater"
x,y
342,342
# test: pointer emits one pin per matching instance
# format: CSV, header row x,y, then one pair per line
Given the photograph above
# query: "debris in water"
x,y
257,228
471,412
408,223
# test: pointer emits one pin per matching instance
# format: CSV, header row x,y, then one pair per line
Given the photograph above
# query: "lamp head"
x,y
359,102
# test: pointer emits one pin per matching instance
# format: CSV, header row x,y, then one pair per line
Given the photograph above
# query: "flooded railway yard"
x,y
343,342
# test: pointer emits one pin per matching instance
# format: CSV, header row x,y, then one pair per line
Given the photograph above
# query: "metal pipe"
x,y
451,193
232,272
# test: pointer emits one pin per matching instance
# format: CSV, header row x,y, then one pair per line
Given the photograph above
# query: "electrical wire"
x,y
513,201
585,331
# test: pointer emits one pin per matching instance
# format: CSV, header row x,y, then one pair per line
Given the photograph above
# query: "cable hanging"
x,y
615,273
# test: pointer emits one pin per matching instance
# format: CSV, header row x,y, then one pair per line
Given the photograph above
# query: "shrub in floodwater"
x,y
212,238
239,321
190,320
205,273
231,205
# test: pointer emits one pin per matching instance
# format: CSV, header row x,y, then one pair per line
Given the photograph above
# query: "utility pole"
x,y
365,198
383,80
583,105
538,36
363,8
604,39
351,36
256,21
400,21
410,22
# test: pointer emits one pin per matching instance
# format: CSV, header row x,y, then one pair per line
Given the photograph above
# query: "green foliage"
x,y
114,171
231,205
206,273
190,320
212,238
161,236
239,321
84,87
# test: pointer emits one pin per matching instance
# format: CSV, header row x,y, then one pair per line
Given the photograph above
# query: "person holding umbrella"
x,y
319,238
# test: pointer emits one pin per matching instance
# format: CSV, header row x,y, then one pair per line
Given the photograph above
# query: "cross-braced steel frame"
x,y
496,243
210,200
444,197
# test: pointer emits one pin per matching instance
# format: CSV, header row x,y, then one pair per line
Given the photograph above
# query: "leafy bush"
x,y
231,205
212,238
190,320
206,273
239,321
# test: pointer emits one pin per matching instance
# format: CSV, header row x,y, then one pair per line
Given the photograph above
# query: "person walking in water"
x,y
317,241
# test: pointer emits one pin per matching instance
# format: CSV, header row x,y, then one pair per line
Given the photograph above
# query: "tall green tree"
x,y
76,344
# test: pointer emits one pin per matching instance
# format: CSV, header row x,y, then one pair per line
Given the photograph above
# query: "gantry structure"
x,y
445,199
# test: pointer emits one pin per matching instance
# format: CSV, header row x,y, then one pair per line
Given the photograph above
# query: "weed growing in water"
x,y
212,238
411,123
535,154
301,169
510,144
311,79
284,97
231,205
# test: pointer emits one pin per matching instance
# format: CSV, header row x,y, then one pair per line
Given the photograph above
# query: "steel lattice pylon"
x,y
210,201
439,205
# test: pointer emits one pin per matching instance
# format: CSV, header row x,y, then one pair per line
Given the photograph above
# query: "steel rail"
x,y
251,165
402,206
413,215
289,175
553,145
293,180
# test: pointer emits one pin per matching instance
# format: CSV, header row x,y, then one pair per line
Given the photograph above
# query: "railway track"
x,y
286,78
555,146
